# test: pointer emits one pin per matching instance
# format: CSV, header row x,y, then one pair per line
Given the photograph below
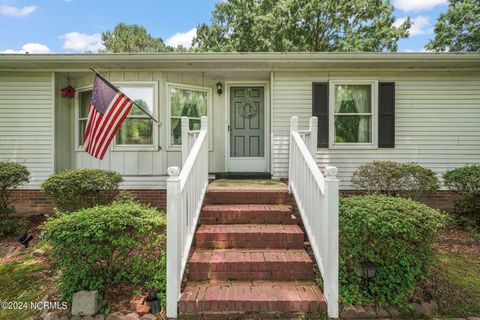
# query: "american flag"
x,y
108,108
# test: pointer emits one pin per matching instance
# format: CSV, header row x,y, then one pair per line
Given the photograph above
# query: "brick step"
x,y
248,196
250,264
224,236
238,299
247,213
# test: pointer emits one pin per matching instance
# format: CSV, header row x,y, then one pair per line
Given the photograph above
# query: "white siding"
x,y
26,122
437,120
147,169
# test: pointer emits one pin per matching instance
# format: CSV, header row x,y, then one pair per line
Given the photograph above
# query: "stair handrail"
x,y
186,190
316,196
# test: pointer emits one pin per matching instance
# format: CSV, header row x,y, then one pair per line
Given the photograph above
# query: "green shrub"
x,y
16,226
12,175
393,178
394,233
466,182
72,190
103,245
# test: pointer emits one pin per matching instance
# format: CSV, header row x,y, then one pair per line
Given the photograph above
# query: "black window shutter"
x,y
320,110
386,114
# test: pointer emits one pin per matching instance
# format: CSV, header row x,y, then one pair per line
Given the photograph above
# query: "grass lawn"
x,y
456,273
25,281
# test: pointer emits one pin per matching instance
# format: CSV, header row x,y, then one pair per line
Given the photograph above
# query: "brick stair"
x,y
248,213
251,264
221,236
249,259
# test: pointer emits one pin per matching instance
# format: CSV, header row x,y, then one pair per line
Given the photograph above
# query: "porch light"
x,y
152,300
25,239
369,269
219,88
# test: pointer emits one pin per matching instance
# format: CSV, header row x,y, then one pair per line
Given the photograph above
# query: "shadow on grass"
x,y
25,281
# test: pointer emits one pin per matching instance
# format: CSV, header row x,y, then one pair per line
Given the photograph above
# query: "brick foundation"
x,y
156,198
34,202
30,202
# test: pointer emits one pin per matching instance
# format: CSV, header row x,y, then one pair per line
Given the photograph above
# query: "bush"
x,y
72,190
12,175
394,233
105,245
466,182
393,178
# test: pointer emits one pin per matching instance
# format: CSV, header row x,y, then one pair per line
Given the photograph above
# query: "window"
x,y
185,102
137,129
352,117
84,98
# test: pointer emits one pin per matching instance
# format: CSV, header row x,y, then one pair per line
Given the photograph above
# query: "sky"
x,y
74,26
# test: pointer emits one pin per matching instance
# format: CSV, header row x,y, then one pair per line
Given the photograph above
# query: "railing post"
x,y
173,230
204,126
331,259
313,137
293,127
185,142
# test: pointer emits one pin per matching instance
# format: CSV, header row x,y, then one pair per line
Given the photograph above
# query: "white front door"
x,y
247,129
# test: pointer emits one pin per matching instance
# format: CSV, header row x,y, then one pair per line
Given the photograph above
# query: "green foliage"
x,y
393,178
74,189
457,29
394,233
301,25
23,281
95,247
133,38
12,175
10,225
466,182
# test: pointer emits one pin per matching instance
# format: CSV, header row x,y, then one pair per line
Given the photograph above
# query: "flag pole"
x,y
147,113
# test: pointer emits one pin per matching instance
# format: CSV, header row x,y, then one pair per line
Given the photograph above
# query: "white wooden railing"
x,y
317,200
185,193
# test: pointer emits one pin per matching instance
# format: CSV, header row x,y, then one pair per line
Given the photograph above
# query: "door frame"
x,y
266,96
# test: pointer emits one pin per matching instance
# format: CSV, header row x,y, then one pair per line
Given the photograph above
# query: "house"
x,y
421,107
433,118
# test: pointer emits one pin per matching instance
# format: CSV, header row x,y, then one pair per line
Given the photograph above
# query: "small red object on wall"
x,y
68,92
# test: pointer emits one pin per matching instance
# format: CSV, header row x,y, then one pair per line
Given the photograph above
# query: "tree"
x,y
133,38
301,25
457,29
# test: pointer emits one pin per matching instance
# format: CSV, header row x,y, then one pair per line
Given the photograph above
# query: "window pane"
x,y
85,97
186,103
81,130
176,127
353,129
135,131
353,99
143,96
176,134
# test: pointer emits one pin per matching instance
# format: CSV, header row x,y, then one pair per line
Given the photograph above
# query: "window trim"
x,y
331,115
209,91
78,146
140,147
114,147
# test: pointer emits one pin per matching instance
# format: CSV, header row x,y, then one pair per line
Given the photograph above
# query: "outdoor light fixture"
x,y
152,300
25,239
219,88
369,269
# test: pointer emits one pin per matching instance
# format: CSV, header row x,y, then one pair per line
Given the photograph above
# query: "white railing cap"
x,y
173,171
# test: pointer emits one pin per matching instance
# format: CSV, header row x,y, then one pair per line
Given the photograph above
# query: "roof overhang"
x,y
240,61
